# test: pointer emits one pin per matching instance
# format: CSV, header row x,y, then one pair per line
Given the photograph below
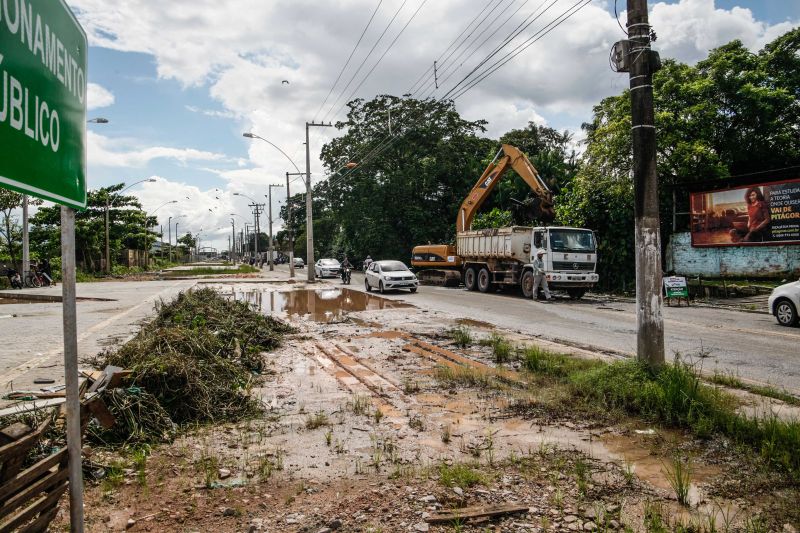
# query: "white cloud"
x,y
103,151
98,96
203,210
240,51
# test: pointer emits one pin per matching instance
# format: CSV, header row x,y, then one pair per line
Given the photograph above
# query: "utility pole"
x,y
233,248
257,210
169,238
289,222
269,198
26,249
649,299
309,217
108,248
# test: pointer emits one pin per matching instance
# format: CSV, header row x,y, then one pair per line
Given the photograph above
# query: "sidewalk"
x,y
32,332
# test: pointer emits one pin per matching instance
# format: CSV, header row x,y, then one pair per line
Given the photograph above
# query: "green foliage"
x,y
128,228
496,218
732,113
462,336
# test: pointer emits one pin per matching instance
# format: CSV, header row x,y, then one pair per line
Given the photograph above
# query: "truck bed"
x,y
509,243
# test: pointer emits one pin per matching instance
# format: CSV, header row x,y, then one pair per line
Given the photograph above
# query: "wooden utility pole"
x,y
650,324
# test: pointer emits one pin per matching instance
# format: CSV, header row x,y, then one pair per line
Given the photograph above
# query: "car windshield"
x,y
329,262
572,240
393,266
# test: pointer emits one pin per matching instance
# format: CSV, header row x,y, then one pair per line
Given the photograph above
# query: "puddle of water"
x,y
474,323
321,305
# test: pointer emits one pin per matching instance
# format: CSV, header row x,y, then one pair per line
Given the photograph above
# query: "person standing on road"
x,y
539,277
367,262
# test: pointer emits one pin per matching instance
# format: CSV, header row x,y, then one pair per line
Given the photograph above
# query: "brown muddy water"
x,y
326,305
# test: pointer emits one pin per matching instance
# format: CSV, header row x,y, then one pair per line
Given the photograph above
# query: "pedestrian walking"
x,y
539,277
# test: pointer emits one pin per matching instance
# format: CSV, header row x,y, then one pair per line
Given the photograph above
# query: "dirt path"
x,y
361,433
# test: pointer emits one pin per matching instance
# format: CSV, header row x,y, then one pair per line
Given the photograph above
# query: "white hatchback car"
x,y
327,267
386,275
784,303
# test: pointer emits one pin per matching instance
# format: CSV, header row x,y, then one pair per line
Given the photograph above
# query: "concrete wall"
x,y
745,261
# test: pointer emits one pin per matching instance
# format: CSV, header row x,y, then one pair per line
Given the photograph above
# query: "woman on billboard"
x,y
757,218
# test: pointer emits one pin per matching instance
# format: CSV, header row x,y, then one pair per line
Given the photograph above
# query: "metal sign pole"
x,y
71,369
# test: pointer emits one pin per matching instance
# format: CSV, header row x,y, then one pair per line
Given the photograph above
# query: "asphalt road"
x,y
751,346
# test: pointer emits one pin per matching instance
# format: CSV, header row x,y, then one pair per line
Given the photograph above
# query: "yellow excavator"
x,y
440,264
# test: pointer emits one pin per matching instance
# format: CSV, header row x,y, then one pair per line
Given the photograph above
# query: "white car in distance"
x,y
327,267
388,275
784,303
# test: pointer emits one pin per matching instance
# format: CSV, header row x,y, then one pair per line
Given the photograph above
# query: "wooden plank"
x,y
478,511
14,432
100,411
34,405
32,490
21,446
40,524
41,504
33,473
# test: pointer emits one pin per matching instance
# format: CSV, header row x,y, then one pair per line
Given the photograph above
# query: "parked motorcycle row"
x,y
36,277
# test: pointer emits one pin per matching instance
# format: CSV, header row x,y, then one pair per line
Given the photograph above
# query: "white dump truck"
x,y
504,256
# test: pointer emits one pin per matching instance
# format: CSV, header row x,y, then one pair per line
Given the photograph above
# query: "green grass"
x,y
502,349
679,476
317,420
460,475
729,380
462,336
467,376
208,271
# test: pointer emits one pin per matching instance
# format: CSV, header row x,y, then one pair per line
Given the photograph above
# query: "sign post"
x,y
43,60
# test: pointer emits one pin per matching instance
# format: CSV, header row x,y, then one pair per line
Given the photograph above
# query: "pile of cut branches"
x,y
199,358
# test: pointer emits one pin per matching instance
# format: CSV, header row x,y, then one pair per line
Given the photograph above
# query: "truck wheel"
x,y
527,284
470,279
576,294
485,280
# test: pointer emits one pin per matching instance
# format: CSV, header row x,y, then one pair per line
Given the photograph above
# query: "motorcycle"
x,y
346,275
14,279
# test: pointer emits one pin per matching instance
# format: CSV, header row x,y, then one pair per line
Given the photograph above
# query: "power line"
x,y
382,56
346,63
451,44
384,143
444,61
524,46
360,66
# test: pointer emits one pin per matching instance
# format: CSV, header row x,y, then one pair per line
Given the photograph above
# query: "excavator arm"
x,y
507,157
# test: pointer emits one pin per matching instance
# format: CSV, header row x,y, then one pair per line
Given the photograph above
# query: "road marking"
x,y
36,362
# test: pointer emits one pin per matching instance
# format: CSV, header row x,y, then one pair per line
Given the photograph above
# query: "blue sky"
x,y
181,81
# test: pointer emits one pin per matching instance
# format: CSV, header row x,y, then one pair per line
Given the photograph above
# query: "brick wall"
x,y
751,261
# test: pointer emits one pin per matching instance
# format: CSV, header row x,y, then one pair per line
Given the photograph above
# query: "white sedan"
x,y
386,275
784,303
327,267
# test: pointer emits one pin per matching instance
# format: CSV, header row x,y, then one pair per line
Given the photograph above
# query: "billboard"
x,y
767,213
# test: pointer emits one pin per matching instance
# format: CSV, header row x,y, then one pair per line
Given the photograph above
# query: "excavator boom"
x,y
507,157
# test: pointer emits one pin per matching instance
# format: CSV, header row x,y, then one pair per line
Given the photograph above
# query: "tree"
x,y
10,228
408,191
188,242
128,228
733,113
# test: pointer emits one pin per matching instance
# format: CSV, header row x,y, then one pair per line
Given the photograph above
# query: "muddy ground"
x,y
360,433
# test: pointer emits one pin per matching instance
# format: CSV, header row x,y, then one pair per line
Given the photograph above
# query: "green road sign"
x,y
43,108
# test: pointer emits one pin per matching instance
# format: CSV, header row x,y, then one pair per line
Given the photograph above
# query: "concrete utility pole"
x,y
289,222
257,210
650,323
269,198
309,216
233,247
169,238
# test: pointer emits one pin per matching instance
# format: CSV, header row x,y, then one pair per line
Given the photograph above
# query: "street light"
x,y
97,120
309,232
108,247
269,198
169,234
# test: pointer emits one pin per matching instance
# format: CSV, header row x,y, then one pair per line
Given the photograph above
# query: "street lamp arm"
x,y
149,180
254,136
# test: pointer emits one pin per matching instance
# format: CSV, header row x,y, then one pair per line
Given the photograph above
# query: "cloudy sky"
x,y
180,81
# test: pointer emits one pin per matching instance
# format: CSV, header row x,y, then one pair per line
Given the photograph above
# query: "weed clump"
x,y
460,475
199,358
